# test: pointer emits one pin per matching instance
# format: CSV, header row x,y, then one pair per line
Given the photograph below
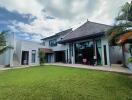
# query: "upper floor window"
x,y
43,43
53,42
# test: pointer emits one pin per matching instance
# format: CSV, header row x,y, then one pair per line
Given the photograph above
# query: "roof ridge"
x,y
98,23
57,33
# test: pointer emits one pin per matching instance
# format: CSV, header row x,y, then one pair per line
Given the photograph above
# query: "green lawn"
x,y
62,83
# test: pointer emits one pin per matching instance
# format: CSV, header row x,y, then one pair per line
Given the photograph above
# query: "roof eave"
x,y
80,38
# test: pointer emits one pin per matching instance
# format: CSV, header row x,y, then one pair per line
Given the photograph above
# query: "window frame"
x,y
33,54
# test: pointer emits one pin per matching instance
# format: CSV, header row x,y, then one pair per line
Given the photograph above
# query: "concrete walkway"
x,y
113,68
7,68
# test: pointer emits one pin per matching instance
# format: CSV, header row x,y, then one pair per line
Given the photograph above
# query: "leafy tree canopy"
x,y
3,46
122,25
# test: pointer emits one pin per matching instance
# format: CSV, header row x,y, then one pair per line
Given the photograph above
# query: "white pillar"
x,y
95,52
68,52
73,53
104,42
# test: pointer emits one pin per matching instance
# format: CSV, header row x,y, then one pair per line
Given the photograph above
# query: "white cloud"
x,y
24,6
67,13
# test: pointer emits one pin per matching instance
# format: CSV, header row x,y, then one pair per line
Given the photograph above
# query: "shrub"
x,y
41,57
130,58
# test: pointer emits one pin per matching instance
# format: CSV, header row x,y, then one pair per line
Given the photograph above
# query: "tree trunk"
x,y
123,54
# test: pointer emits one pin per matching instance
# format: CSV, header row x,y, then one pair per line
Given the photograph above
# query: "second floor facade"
x,y
52,41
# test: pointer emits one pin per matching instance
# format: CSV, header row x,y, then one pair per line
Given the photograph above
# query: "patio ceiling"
x,y
125,38
46,50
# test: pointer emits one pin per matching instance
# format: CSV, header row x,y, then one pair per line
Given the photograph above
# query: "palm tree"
x,y
3,46
123,26
126,12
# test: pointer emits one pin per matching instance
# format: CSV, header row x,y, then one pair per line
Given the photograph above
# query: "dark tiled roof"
x,y
62,33
88,29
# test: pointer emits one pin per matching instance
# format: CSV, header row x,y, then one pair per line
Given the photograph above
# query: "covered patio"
x,y
87,45
49,58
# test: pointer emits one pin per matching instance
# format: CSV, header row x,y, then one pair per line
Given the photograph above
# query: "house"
x,y
23,52
26,53
55,52
87,44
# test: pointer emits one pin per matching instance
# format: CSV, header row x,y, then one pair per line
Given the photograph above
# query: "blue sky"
x,y
35,19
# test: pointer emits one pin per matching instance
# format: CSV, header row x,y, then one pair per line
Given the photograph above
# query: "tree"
x,y
130,59
3,46
123,25
126,12
41,57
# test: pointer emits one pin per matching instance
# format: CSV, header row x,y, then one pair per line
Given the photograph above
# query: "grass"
x,y
62,83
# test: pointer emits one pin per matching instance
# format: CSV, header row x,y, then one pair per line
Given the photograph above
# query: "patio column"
x,y
73,46
68,48
95,52
67,53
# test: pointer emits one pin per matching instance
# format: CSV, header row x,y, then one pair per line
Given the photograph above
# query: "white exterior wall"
x,y
116,54
2,58
127,55
104,41
28,46
7,57
18,50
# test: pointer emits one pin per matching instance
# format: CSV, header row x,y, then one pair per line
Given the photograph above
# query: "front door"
x,y
25,57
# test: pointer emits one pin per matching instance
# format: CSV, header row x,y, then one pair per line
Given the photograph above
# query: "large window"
x,y
84,50
105,55
53,42
99,52
33,56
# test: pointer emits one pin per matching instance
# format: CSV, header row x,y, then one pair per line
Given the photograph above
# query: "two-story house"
x,y
85,45
55,52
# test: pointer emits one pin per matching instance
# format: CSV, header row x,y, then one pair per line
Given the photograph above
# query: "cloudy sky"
x,y
34,19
